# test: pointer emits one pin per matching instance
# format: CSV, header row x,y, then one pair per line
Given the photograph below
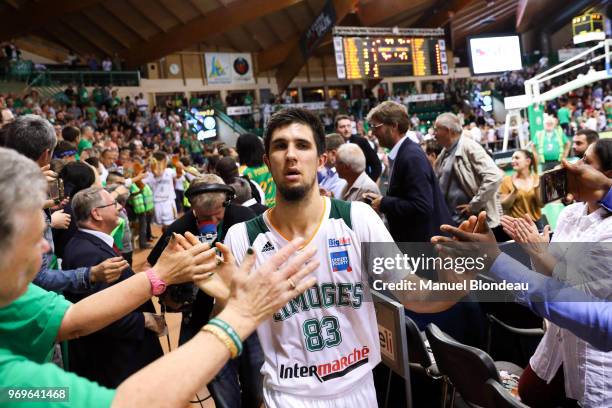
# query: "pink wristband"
x,y
158,286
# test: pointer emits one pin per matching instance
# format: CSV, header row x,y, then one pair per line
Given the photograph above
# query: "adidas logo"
x,y
268,247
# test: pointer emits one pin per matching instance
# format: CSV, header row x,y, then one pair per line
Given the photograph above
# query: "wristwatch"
x,y
158,286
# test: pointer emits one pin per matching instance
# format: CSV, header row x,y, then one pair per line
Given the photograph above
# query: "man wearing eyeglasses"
x,y
414,204
110,355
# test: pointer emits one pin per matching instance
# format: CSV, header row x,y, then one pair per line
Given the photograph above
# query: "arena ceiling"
x,y
140,31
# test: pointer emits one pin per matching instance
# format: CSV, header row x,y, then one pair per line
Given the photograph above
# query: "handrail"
x,y
88,78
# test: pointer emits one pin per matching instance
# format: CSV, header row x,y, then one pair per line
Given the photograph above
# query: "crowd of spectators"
x,y
124,165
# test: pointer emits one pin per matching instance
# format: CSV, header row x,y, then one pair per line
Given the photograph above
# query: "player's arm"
x,y
372,231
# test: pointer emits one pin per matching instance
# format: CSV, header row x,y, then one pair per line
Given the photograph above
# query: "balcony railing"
x,y
24,71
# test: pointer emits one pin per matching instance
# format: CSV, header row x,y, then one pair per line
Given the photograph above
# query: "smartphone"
x,y
553,185
56,190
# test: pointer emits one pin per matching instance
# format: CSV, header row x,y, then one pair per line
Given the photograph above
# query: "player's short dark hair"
x,y
289,116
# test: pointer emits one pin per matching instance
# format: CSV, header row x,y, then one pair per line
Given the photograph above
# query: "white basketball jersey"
x,y
325,340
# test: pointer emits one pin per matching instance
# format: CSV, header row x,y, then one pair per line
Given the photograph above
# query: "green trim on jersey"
x,y
341,210
255,227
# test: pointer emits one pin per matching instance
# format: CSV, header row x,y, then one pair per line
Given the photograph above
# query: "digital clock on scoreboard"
x,y
389,56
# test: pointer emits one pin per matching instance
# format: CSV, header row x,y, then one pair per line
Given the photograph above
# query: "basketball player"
x,y
321,347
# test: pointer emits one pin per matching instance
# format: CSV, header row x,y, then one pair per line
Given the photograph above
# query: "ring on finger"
x,y
291,283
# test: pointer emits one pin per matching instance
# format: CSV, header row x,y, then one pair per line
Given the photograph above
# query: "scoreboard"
x,y
389,56
588,27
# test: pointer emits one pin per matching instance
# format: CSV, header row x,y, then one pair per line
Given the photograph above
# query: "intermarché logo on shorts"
x,y
328,371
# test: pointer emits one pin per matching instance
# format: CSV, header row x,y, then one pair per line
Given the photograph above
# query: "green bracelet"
x,y
230,332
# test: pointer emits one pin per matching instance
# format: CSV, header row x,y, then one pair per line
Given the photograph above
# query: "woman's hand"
x,y
525,232
257,294
528,236
179,265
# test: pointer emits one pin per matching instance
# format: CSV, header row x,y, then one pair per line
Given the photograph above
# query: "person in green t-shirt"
x,y
29,327
250,153
262,176
32,320
91,112
550,145
195,101
564,115
98,95
83,95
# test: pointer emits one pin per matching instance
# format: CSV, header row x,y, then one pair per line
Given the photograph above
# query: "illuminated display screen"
x,y
380,57
588,27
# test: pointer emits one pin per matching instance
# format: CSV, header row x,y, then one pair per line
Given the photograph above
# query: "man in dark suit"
x,y
414,205
415,208
373,165
114,353
239,383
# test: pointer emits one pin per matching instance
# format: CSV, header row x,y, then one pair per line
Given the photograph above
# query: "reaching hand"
x,y
216,279
374,200
179,265
478,243
108,271
48,173
508,226
60,220
528,236
257,294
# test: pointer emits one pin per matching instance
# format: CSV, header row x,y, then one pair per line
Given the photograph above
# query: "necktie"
x,y
116,249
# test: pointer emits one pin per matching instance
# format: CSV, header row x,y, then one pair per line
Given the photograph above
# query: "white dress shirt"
x,y
586,369
393,154
108,240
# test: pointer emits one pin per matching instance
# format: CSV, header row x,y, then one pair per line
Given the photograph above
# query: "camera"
x,y
179,298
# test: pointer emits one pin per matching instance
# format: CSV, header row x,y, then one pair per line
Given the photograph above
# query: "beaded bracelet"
x,y
223,337
229,330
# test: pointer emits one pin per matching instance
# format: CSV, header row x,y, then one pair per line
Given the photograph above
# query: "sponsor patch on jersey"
x,y
328,370
339,242
340,261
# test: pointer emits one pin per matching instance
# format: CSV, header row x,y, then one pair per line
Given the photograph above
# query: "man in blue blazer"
x,y
414,205
112,354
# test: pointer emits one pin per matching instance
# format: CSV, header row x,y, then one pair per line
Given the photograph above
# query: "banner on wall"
x,y
319,28
567,53
229,68
239,110
424,97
